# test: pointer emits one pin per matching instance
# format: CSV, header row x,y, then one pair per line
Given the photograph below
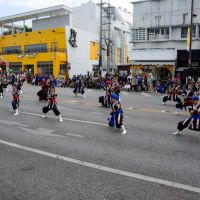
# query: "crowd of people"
x,y
131,82
186,95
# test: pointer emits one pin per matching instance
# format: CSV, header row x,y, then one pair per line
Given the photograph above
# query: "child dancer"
x,y
15,101
172,94
116,116
192,122
52,104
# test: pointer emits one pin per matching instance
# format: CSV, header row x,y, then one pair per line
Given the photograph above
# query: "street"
x,y
82,158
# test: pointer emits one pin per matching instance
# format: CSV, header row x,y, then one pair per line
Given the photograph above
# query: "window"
x,y
184,31
158,33
63,69
45,67
15,67
138,34
12,50
35,48
185,17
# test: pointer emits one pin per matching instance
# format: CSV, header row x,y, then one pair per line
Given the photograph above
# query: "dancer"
x,y
79,86
192,122
43,93
15,101
106,99
186,99
52,104
172,94
5,82
116,116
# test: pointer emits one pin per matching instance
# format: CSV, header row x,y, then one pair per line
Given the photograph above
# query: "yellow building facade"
x,y
37,52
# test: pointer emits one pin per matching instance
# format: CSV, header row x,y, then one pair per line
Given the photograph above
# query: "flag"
x,y
188,39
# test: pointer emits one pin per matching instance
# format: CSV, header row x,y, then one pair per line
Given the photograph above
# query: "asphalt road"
x,y
83,158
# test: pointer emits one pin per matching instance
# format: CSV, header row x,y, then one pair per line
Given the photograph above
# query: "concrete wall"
x,y
50,22
79,57
170,12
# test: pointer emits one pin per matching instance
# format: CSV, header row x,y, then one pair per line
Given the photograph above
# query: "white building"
x,y
159,34
84,22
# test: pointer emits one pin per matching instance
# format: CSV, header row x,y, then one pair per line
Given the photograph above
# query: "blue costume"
x,y
116,116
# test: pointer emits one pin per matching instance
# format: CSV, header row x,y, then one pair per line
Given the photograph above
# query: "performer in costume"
x,y
172,94
186,100
106,99
52,104
79,86
15,101
43,93
192,122
5,82
116,116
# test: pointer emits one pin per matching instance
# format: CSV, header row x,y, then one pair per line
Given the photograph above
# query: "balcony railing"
x,y
34,51
158,37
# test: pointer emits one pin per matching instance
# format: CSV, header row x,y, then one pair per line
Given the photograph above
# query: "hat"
x,y
115,96
195,98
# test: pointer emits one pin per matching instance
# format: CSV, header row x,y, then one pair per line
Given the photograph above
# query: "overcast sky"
x,y
9,7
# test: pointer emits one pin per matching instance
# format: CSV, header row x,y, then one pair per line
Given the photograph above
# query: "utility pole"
x,y
191,27
100,40
105,34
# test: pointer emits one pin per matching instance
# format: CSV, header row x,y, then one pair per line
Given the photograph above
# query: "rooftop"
x,y
55,10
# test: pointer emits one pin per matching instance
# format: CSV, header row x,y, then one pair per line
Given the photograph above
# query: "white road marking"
x,y
12,123
74,135
146,95
104,168
41,131
67,119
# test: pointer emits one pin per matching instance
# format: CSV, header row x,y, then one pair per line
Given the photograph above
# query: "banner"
x,y
188,39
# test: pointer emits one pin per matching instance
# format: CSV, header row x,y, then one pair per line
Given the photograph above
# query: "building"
x,y
60,40
57,43
159,35
121,24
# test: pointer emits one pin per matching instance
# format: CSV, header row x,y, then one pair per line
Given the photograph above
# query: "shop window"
x,y
45,68
35,48
11,50
63,69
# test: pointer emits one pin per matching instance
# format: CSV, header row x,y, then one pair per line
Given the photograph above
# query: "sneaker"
x,y
164,103
84,96
123,130
177,133
176,113
16,113
60,118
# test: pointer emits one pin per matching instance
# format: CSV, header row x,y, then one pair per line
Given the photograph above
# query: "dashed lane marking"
x,y
67,119
75,135
145,94
104,168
